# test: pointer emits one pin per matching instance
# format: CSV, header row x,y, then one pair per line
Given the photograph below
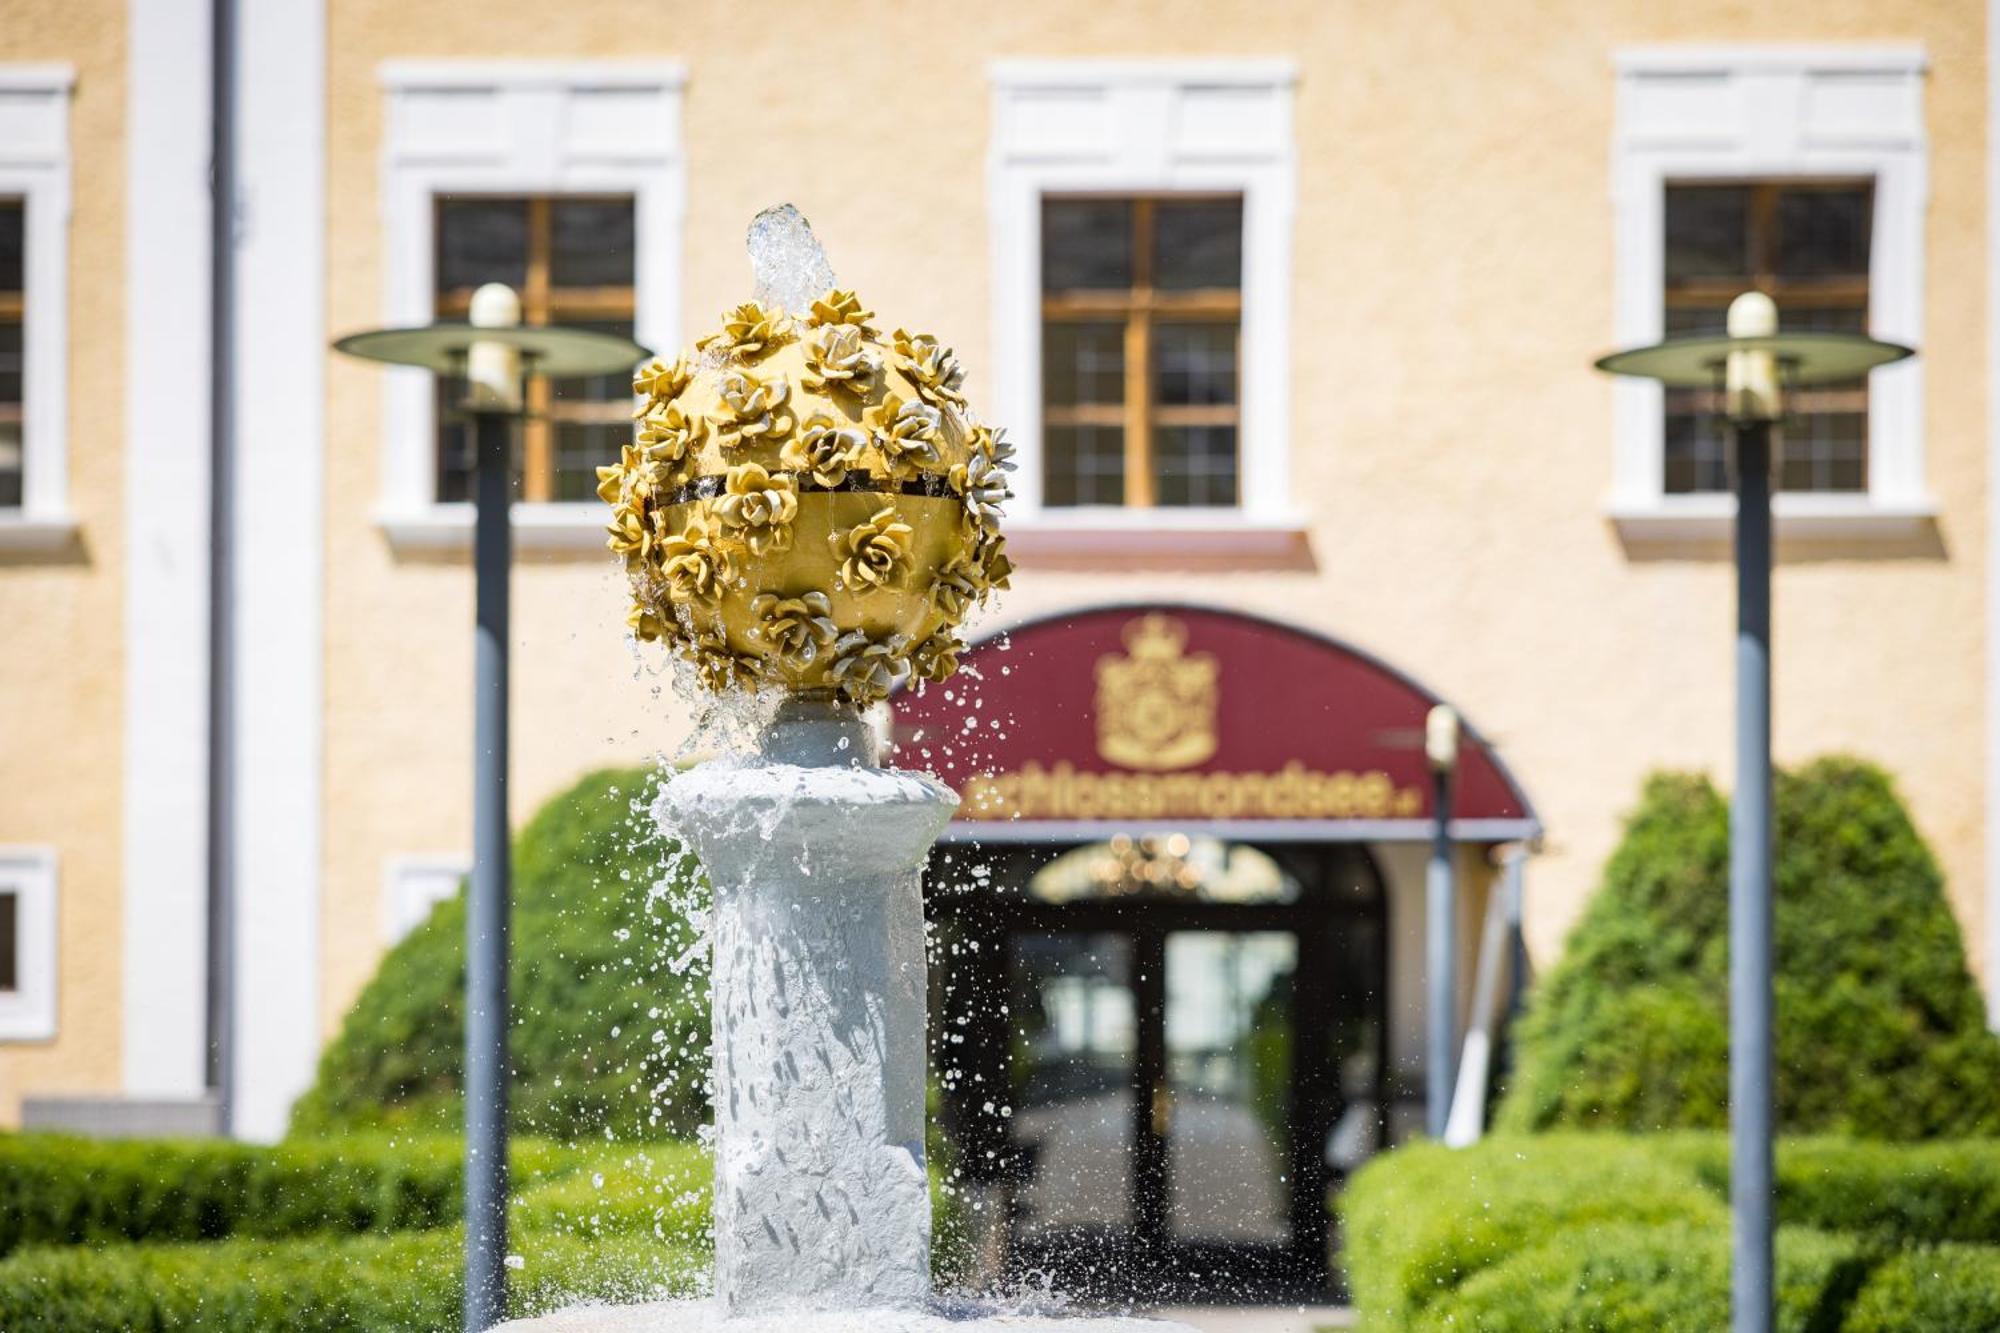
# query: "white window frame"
x,y
1147,127
413,885
1763,112
517,127
29,1014
35,167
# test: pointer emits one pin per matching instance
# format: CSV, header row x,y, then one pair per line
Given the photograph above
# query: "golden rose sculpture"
x,y
809,505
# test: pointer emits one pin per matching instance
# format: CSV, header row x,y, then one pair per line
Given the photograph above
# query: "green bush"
x,y
1641,1279
1422,1220
1944,1289
1880,1028
1899,1192
613,1228
355,1285
1614,1231
67,1191
607,1033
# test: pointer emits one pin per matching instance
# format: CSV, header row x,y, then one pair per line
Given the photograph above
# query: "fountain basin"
x,y
708,1317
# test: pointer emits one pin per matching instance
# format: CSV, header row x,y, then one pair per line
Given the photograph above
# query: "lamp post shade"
x,y
1805,358
560,353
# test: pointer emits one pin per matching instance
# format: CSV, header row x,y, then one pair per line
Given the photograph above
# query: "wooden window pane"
x,y
592,419
13,245
454,452
573,261
1194,363
1683,320
581,448
1086,243
1140,332
10,465
1825,451
1694,444
591,243
1082,363
10,943
1194,465
1083,465
1824,232
1807,246
1708,231
10,365
13,261
482,240
1197,243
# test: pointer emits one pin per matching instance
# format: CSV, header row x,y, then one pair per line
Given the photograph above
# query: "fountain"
x,y
809,511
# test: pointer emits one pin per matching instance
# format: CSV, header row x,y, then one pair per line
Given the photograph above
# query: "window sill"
x,y
37,534
1184,541
1694,523
445,529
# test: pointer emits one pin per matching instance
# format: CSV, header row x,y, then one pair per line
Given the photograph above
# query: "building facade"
x,y
1290,309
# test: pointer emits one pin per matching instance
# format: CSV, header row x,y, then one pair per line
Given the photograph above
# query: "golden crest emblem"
x,y
1155,702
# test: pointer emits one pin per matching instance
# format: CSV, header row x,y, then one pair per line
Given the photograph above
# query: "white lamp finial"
x,y
493,369
1750,379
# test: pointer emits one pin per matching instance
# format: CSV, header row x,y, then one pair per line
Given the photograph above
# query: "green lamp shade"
x,y
1804,359
557,352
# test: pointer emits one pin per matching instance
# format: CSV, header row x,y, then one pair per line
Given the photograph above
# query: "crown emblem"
x,y
1156,702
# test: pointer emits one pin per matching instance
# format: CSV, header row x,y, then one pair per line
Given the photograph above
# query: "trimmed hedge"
x,y
1880,1029
1641,1279
1419,1222
1613,1232
59,1190
607,1034
620,1228
1945,1289
353,1285
1918,1192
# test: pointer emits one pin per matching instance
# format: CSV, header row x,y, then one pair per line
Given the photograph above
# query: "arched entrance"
x,y
1166,1012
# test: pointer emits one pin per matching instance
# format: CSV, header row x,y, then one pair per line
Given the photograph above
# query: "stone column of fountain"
x,y
810,509
821,1199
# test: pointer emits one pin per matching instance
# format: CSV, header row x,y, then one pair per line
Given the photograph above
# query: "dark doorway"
x,y
1152,1048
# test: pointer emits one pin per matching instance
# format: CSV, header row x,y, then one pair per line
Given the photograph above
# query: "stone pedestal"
x,y
821,1197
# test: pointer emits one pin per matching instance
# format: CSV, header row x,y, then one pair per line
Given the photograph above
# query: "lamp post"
x,y
1441,918
1752,364
493,354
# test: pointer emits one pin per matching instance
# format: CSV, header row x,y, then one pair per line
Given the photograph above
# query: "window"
x,y
1806,245
13,304
413,885
566,180
1803,171
1141,213
1142,308
571,257
10,941
27,944
34,307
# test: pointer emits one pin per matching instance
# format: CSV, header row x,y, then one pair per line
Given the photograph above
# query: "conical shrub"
x,y
1880,1029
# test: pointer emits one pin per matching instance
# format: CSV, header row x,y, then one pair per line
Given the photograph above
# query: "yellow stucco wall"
x,y
61,675
1454,263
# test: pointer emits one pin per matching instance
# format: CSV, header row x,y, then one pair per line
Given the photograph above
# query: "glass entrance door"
x,y
1075,1065
1156,1107
1149,1055
1224,1105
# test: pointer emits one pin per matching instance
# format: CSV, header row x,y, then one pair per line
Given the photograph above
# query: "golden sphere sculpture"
x,y
808,504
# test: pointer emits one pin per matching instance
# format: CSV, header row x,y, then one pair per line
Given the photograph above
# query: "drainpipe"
x,y
223,192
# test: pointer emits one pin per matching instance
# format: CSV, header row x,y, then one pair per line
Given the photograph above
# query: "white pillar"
x,y
821,1198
